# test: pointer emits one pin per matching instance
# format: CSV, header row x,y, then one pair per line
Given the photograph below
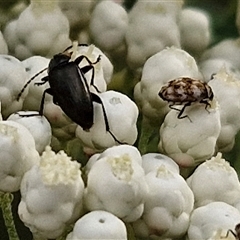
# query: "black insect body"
x,y
70,90
185,91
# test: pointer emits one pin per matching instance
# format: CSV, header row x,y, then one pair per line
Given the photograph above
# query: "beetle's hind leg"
x,y
97,99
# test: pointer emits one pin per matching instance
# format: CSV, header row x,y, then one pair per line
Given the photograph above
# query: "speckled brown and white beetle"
x,y
185,91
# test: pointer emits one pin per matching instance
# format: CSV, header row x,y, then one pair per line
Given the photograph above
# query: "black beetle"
x,y
236,234
70,90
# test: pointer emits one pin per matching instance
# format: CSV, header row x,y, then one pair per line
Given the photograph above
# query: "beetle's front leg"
x,y
43,81
181,111
88,68
79,59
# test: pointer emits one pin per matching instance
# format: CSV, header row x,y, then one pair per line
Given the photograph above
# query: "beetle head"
x,y
57,60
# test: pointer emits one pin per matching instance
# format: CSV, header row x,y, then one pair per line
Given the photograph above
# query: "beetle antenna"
x,y
28,82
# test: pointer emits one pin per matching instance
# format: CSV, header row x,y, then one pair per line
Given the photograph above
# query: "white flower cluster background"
x,y
119,161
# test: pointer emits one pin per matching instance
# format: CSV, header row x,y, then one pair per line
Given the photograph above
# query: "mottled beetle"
x,y
185,91
70,90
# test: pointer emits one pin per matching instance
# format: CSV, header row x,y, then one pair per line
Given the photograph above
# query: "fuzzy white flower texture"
x,y
51,194
116,183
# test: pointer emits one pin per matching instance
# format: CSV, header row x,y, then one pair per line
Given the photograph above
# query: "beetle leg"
x,y
85,70
181,111
80,58
43,81
232,232
89,67
49,91
97,99
171,106
207,104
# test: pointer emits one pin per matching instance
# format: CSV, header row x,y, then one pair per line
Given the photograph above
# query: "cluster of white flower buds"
x,y
74,76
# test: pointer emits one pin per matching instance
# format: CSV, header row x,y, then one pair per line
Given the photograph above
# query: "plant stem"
x,y
5,204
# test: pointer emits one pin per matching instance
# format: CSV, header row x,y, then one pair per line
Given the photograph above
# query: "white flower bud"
x,y
228,49
122,114
78,13
34,65
37,125
226,88
51,194
144,41
103,69
151,161
114,151
25,40
18,154
167,207
3,45
210,67
215,180
208,219
157,71
106,226
12,78
192,139
108,25
117,184
195,30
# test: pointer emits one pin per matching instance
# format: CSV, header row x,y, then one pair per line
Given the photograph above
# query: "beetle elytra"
x,y
185,91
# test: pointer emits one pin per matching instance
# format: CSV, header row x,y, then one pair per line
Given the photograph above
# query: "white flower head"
x,y
51,195
25,40
210,67
117,184
152,161
34,65
226,87
58,168
18,154
195,30
227,49
215,180
207,220
121,116
167,207
38,126
106,226
12,78
108,25
192,139
144,41
115,151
